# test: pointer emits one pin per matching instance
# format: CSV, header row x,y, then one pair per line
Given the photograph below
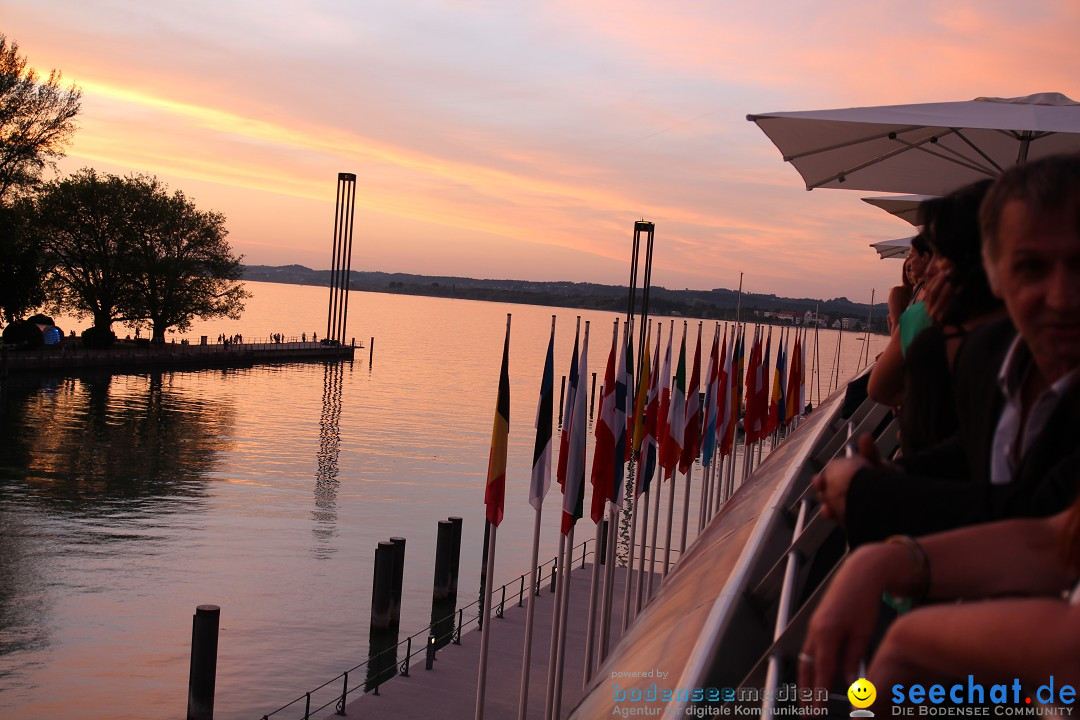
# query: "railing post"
x,y
340,710
554,572
584,548
408,656
457,633
502,603
521,591
307,707
430,652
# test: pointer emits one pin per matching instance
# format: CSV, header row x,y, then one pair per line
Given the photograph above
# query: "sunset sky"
x,y
522,140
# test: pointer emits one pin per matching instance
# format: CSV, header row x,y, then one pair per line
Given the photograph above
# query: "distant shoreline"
x,y
716,304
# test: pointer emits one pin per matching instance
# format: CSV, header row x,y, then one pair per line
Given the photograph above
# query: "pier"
x,y
170,356
449,689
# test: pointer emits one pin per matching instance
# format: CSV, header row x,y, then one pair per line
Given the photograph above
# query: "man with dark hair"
x,y
1017,390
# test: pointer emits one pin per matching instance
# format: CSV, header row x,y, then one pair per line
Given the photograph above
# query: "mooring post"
x,y
455,558
203,674
382,587
399,576
443,545
371,351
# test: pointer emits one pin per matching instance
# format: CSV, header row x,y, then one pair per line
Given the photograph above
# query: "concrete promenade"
x,y
127,358
449,689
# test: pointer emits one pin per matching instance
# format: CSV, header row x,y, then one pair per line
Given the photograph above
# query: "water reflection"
x,y
88,466
326,474
97,445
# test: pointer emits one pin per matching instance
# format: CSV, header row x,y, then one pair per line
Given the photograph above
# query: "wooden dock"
x,y
128,358
449,689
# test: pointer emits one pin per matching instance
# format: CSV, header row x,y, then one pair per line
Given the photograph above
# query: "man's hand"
x,y
833,482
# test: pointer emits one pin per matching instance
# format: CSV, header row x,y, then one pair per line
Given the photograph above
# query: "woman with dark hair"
x,y
911,276
915,371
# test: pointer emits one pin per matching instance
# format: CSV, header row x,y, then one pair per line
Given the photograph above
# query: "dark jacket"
x,y
948,485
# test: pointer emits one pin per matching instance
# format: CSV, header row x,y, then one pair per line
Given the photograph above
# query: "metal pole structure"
x,y
348,237
331,308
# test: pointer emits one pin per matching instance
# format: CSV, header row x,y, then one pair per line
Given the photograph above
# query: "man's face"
x,y
1038,278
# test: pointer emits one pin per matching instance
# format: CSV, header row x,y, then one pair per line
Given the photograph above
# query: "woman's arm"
x,y
1029,639
886,384
1019,557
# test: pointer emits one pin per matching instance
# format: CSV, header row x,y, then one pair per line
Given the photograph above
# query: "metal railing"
x,y
429,648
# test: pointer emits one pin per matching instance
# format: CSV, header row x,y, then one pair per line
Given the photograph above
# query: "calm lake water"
x,y
126,501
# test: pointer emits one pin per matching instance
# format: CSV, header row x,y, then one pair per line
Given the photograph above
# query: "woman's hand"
x,y
939,289
839,633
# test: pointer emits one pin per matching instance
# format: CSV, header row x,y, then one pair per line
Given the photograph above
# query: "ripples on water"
x,y
126,501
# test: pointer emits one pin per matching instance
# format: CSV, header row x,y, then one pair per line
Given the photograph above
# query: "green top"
x,y
912,322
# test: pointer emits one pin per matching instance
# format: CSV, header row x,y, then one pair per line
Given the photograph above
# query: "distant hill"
x,y
719,303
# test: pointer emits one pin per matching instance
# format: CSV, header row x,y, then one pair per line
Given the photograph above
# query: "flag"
x,y
495,492
541,469
568,413
652,410
665,399
641,401
603,468
574,489
712,390
751,418
671,446
725,419
778,404
763,388
794,374
692,418
624,383
737,383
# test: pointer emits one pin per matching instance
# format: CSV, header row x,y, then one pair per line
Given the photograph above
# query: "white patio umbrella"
x,y
898,248
930,148
905,207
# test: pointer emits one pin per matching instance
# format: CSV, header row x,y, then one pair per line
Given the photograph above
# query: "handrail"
x,y
403,667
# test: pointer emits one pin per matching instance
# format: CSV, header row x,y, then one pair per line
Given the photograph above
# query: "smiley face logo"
x,y
862,693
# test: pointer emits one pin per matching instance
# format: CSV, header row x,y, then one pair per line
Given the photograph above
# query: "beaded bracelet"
x,y
920,564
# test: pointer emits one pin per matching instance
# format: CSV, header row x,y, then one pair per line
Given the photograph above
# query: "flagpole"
x,y
486,632
594,589
640,584
559,572
614,500
543,474
496,465
609,584
564,603
655,535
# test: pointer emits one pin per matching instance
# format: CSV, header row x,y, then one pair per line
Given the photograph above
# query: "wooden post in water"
x,y
203,674
398,578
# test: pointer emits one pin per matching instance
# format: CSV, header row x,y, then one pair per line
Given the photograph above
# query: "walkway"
x,y
449,689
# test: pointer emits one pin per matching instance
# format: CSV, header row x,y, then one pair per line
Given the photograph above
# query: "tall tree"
x,y
181,265
124,249
37,119
84,224
21,265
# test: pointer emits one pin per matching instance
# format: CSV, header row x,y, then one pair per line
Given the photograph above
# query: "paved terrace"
x,y
449,689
